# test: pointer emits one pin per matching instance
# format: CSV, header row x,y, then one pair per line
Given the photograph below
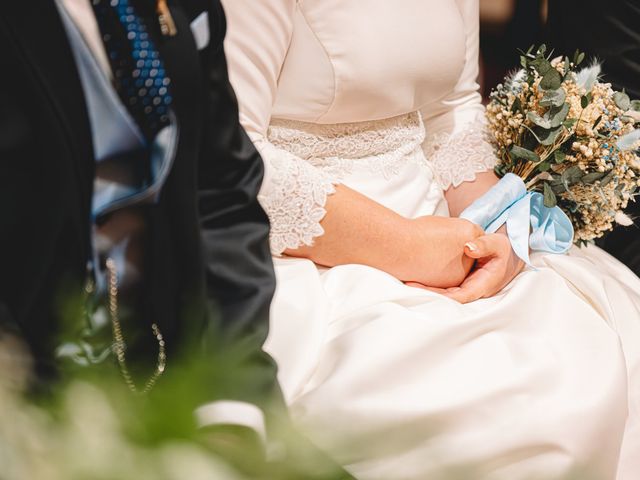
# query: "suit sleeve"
x,y
235,230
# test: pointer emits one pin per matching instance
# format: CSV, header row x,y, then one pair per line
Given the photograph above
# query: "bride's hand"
x,y
496,265
437,257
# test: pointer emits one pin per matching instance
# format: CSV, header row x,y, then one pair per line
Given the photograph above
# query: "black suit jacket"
x,y
610,32
210,279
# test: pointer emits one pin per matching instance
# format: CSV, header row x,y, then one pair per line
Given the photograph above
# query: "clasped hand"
x,y
484,265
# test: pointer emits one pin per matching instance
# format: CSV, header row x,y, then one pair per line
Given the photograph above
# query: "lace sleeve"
x,y
294,197
458,157
294,192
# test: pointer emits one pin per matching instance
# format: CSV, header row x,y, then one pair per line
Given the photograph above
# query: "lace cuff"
x,y
457,158
294,201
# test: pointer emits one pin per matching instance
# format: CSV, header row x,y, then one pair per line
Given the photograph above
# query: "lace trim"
x,y
295,202
380,146
309,159
459,157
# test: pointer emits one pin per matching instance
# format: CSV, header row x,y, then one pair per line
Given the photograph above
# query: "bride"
x,y
392,356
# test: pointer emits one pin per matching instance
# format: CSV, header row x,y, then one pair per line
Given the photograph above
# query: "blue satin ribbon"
x,y
529,223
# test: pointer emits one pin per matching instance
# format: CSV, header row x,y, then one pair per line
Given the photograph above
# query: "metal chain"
x,y
119,345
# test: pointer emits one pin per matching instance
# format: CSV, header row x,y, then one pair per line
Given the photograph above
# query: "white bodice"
x,y
335,62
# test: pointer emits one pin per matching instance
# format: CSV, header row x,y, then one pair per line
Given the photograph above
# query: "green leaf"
x,y
635,105
571,175
597,122
569,124
548,137
552,80
541,65
517,105
554,98
590,178
524,154
578,57
622,100
607,179
557,115
550,199
544,166
585,100
559,156
538,120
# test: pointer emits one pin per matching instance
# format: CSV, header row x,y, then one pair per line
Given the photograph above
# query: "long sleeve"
x,y
293,192
457,145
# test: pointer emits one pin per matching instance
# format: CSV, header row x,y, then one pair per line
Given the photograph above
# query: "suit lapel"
x,y
39,32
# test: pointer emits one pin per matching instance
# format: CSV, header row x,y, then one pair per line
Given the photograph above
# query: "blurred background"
x,y
505,26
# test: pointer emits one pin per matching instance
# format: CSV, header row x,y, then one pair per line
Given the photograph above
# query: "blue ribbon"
x,y
529,223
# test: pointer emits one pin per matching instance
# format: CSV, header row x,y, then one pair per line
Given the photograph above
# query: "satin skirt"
x,y
539,381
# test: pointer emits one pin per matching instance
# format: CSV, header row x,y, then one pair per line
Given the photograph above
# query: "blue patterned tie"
x,y
139,75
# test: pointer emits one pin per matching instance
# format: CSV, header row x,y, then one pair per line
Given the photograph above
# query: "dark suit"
x,y
210,278
610,32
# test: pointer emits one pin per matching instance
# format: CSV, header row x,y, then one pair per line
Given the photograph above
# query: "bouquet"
x,y
567,155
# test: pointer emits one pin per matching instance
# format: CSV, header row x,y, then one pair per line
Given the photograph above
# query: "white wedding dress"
x,y
397,382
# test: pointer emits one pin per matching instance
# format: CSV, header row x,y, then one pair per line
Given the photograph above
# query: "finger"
x,y
485,246
476,286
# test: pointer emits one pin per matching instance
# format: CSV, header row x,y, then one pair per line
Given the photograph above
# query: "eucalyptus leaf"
x,y
552,80
538,120
517,105
544,166
571,175
590,178
557,115
622,100
579,58
550,199
585,100
554,98
607,179
569,124
635,105
548,137
559,156
541,65
524,154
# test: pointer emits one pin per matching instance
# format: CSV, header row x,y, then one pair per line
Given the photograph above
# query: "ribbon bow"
x,y
509,202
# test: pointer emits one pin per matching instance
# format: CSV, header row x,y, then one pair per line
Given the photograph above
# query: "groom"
x,y
126,182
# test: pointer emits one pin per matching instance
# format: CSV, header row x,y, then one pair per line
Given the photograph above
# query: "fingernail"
x,y
471,246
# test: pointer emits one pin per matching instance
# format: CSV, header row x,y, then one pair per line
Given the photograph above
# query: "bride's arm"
x,y
311,214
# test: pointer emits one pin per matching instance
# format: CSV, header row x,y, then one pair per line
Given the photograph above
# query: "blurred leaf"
x,y
557,115
517,105
524,154
569,124
572,174
550,199
538,120
551,80
607,179
622,100
548,137
554,98
559,156
635,105
590,178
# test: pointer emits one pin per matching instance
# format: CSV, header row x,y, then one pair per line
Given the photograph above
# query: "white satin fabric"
x,y
396,382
